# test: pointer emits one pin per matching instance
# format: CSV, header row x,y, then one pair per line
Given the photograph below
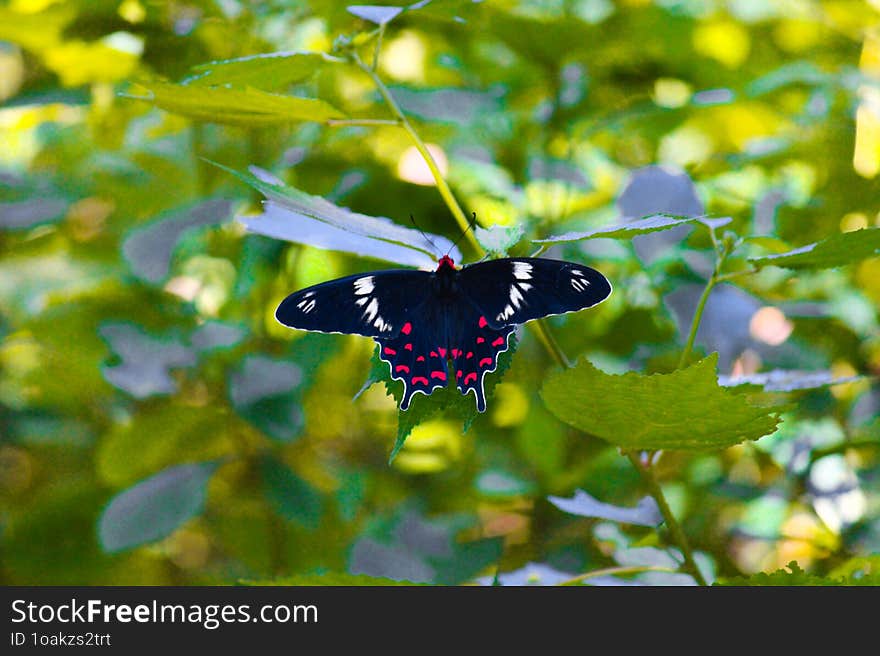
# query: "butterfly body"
x,y
423,320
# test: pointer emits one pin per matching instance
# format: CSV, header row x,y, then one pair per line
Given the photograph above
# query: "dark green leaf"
x,y
291,496
265,391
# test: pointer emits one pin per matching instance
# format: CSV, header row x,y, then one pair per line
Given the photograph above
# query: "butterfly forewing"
x,y
516,290
375,304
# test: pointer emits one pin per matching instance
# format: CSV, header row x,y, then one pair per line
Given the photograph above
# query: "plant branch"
x,y
614,571
442,186
672,524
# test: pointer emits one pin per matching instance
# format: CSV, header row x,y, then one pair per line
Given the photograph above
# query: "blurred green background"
x,y
140,359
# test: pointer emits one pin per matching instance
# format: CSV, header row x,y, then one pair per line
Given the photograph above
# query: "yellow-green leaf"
x,y
247,107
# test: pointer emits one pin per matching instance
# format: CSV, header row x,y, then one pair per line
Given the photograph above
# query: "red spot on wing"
x,y
483,322
455,353
485,362
433,354
419,379
442,352
407,328
458,374
480,340
389,351
498,342
469,377
438,374
408,347
421,358
401,367
469,355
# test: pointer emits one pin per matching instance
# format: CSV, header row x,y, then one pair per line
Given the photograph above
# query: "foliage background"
x,y
138,338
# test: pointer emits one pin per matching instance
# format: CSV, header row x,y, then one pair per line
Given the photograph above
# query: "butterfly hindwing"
x,y
417,358
372,304
475,354
514,290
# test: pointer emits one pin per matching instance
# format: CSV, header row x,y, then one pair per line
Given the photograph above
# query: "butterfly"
x,y
422,320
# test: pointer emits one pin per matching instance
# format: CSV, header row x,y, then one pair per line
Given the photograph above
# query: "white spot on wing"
x,y
363,286
506,313
372,310
362,301
522,270
515,296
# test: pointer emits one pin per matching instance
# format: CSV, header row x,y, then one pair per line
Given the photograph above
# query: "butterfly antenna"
x,y
471,225
422,232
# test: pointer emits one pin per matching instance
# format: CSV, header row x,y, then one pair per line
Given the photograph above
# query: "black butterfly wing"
x,y
375,304
514,290
475,354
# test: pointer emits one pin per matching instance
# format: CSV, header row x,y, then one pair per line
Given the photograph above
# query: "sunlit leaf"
x,y
686,409
837,250
266,71
378,14
645,513
293,215
497,239
246,107
625,230
786,380
154,508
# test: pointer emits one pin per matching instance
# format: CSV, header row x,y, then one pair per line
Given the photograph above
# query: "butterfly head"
x,y
445,261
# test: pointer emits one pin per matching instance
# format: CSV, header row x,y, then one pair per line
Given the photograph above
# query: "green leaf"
x,y
837,250
296,216
686,409
154,508
652,223
244,107
272,70
793,576
291,496
498,239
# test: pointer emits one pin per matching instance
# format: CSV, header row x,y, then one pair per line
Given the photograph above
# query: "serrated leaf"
x,y
643,226
378,14
645,513
244,107
154,508
837,250
291,496
497,239
293,215
686,409
272,70
781,577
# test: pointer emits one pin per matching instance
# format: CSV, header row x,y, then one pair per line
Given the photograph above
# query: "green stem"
x,y
695,324
355,122
546,338
442,186
615,571
672,524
